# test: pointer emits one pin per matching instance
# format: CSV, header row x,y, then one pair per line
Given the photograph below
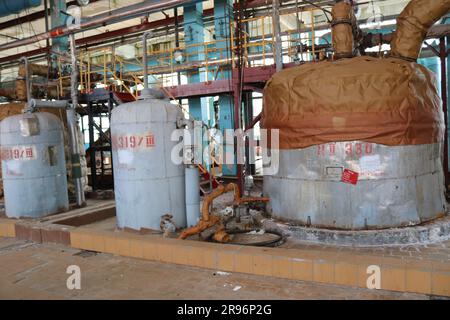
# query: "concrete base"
x,y
431,232
57,228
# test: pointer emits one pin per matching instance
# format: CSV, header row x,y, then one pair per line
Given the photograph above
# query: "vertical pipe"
x,y
313,36
24,60
276,34
192,188
92,146
177,40
47,41
110,107
146,35
443,57
72,124
237,88
177,35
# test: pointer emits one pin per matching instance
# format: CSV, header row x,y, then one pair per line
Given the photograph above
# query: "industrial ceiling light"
x,y
178,56
83,3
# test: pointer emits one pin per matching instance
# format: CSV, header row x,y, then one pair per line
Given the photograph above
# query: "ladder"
x,y
208,182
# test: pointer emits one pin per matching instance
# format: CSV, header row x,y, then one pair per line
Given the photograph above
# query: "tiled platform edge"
x,y
7,228
419,276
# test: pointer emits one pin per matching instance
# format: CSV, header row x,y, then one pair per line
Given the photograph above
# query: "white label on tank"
x,y
19,153
370,164
14,168
125,156
133,141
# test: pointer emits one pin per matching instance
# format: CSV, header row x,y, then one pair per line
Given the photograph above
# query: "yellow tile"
x,y
440,283
418,281
3,230
323,271
181,254
282,267
10,230
75,240
196,256
209,258
87,241
136,249
123,246
262,264
225,260
111,245
243,262
393,278
346,274
7,228
302,269
165,252
98,243
149,250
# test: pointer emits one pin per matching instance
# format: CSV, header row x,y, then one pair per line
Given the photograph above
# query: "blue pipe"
x,y
8,7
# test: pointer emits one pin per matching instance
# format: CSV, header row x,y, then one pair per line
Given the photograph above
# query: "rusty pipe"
x,y
413,25
208,221
251,199
221,189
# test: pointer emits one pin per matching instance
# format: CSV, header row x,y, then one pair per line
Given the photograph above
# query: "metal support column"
x,y
223,16
58,18
194,39
276,34
238,88
443,56
72,124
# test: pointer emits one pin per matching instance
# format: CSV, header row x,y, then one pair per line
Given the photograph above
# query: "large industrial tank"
x,y
33,165
361,138
147,183
361,144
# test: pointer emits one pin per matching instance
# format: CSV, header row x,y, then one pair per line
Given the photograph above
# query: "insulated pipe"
x,y
145,36
192,189
342,30
72,125
192,176
413,25
24,60
99,20
33,104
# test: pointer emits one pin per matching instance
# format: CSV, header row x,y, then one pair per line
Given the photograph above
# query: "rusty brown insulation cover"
x,y
342,30
385,101
413,25
35,69
21,90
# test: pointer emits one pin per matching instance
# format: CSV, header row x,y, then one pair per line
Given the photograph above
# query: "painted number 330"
x,y
351,149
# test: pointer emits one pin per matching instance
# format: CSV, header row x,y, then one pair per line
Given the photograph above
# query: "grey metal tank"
x,y
147,183
396,185
33,165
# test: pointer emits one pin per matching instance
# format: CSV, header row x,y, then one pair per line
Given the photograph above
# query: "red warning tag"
x,y
349,176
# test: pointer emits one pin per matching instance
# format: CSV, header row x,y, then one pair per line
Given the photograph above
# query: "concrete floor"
x,y
38,271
